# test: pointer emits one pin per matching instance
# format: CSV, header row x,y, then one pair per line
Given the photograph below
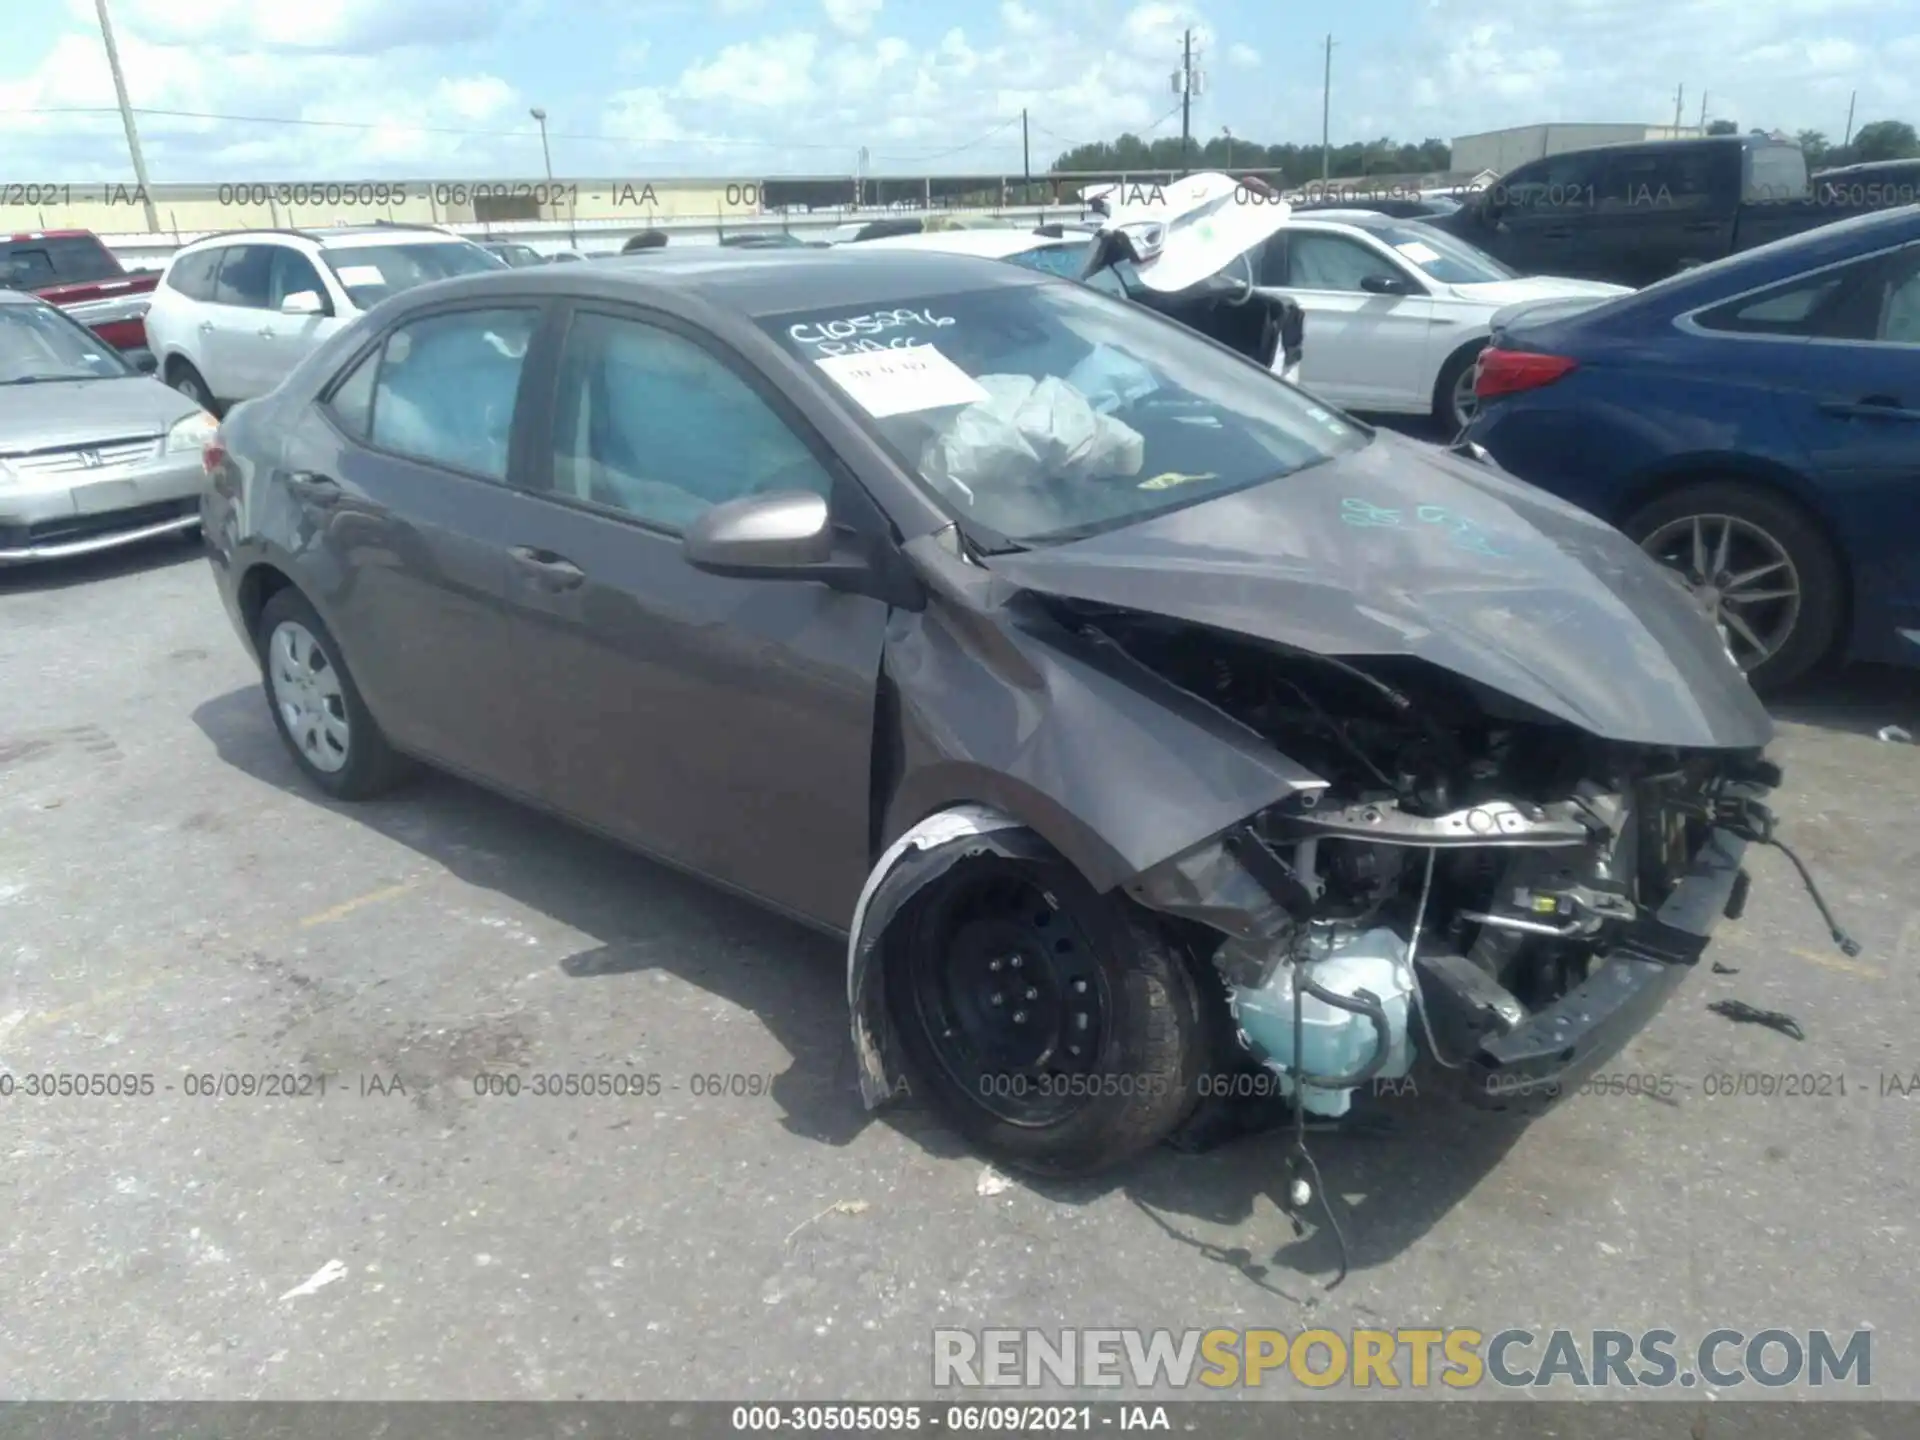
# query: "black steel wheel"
x,y
1056,1029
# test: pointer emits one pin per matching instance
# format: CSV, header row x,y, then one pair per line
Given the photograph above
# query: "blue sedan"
x,y
1753,423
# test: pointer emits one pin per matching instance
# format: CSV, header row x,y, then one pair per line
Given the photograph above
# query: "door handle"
x,y
265,332
314,488
551,571
206,327
1870,407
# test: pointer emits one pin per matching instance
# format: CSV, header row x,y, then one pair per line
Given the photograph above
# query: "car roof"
x,y
994,244
750,283
334,237
21,297
1359,219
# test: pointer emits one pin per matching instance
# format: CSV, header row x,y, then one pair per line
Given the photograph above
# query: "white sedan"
x,y
1397,311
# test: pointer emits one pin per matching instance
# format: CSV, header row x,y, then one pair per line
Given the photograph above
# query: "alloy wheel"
x,y
307,693
1740,573
1466,403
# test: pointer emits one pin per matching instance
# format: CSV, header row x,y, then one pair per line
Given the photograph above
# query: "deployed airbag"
x,y
1027,431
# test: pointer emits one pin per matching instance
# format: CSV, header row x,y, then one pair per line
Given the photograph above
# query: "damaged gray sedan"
x,y
1138,718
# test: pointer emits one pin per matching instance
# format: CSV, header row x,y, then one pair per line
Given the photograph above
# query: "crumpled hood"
x,y
1403,549
57,413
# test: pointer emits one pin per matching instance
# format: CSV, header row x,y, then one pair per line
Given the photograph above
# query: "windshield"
x,y
370,273
1039,413
38,343
1441,256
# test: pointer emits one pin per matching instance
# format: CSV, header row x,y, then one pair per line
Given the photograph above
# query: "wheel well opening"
x,y
173,367
257,587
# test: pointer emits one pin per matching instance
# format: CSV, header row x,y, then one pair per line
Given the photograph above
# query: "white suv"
x,y
234,313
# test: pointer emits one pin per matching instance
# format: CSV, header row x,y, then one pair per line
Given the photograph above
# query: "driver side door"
x,y
725,725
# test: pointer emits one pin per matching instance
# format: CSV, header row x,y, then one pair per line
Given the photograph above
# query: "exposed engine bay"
x,y
1466,867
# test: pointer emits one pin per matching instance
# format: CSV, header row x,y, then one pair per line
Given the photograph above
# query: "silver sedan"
x,y
94,453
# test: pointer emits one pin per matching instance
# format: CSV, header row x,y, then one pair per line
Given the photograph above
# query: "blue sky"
x,y
654,88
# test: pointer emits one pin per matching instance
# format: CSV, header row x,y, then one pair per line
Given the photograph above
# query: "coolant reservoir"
x,y
1344,960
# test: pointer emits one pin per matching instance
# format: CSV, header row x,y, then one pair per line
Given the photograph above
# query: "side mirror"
x,y
1386,285
779,536
145,361
303,302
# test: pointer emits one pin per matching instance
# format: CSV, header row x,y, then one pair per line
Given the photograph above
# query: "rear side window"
x,y
1681,178
446,388
192,275
1813,305
1776,172
243,277
1063,260
351,403
56,260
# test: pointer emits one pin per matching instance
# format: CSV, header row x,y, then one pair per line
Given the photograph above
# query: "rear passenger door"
x,y
407,515
1664,208
723,724
227,333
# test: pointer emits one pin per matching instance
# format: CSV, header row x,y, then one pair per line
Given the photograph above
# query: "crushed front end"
x,y
1498,890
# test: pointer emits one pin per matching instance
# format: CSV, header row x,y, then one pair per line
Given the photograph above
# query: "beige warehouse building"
x,y
120,209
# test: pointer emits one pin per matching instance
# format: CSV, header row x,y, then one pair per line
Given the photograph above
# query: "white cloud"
x,y
764,74
1243,56
851,17
1017,19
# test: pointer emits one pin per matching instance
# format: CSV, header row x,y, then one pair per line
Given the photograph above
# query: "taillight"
x,y
213,455
1507,372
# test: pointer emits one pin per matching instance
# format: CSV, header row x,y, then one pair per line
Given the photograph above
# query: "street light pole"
x,y
126,117
546,156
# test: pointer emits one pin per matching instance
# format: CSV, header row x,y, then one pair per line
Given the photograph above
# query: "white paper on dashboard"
x,y
900,381
361,275
1419,252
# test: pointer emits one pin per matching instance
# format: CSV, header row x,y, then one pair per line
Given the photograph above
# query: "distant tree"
x,y
1295,164
1814,145
1722,127
1884,140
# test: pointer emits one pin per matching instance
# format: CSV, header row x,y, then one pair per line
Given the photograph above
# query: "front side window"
x,y
649,423
447,386
1897,300
370,273
291,274
38,343
1319,261
1040,413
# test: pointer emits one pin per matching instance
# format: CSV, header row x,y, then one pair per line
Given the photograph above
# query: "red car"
x,y
75,271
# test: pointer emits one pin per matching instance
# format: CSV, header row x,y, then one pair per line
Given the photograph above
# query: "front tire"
x,y
183,377
1454,403
1056,1028
317,708
1761,566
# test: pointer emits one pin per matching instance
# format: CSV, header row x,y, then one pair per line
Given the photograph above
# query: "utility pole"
x,y
540,119
126,117
1326,110
1186,96
1679,99
1227,130
1026,160
1703,112
1855,95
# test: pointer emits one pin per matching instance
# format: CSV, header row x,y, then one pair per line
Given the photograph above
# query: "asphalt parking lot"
x,y
174,902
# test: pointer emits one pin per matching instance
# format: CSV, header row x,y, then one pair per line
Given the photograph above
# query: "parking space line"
x,y
359,902
1836,962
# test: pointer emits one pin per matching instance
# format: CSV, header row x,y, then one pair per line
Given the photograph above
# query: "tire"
x,y
1808,628
349,759
183,377
1446,404
1140,1078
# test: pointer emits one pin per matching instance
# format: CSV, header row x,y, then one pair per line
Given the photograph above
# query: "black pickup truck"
x,y
1636,213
